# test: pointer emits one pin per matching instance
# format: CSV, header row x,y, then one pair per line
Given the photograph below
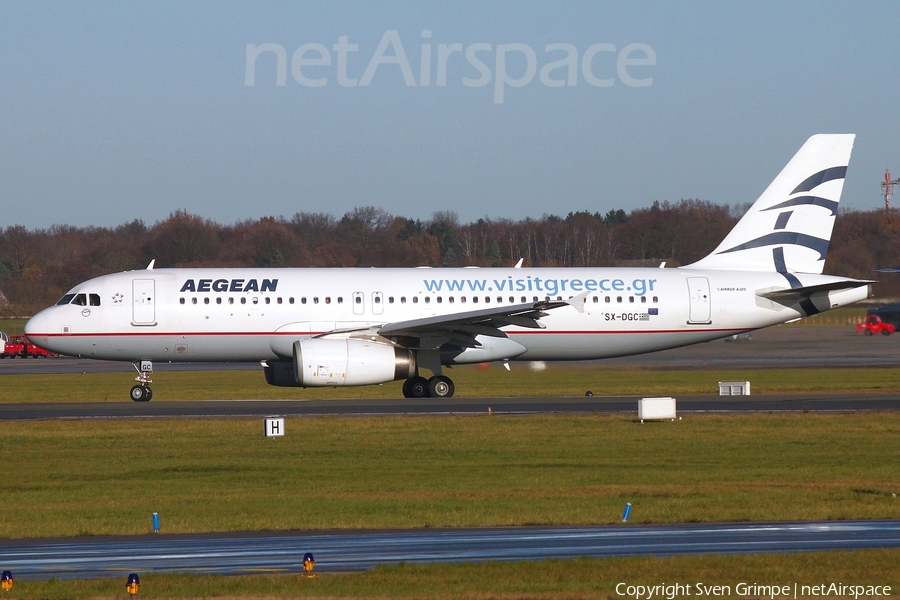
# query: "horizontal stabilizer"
x,y
794,295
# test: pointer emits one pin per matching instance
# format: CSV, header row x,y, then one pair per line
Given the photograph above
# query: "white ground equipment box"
x,y
656,408
734,388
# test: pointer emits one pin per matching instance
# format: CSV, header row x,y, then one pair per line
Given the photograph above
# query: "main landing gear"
x,y
142,391
438,386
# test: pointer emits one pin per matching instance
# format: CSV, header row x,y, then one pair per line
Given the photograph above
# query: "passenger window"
x,y
268,300
451,300
631,299
439,299
230,300
402,299
358,300
327,299
475,299
607,299
181,300
291,300
427,299
390,299
487,299
619,299
194,300
278,300
243,300
316,300
219,300
655,299
206,300
340,299
596,299
415,299
643,299
524,299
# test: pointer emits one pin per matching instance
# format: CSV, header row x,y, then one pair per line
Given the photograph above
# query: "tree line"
x,y
38,266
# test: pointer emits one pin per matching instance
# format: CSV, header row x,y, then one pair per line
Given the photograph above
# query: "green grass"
x,y
107,477
582,578
12,326
557,380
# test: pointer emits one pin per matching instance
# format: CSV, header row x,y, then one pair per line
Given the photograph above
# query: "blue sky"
x,y
114,111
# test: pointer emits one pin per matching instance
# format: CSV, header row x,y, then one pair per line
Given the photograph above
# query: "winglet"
x,y
519,264
150,266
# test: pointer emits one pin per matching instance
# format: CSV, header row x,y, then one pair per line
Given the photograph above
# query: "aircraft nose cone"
x,y
36,326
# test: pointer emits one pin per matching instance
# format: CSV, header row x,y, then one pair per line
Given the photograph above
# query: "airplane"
x,y
318,327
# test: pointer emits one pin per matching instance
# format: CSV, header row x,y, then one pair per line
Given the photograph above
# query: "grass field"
x,y
66,478
576,579
558,380
107,477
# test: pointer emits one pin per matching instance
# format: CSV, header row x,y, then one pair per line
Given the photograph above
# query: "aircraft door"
x,y
359,303
698,288
144,298
377,303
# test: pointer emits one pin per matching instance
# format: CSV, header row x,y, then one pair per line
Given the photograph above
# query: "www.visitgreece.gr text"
x,y
637,287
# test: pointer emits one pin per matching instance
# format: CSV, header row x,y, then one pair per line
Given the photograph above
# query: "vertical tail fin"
x,y
788,229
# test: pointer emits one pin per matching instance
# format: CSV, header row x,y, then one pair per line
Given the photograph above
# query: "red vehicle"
x,y
874,324
18,346
36,351
15,347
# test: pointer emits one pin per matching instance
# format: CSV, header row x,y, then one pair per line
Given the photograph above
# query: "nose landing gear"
x,y
142,391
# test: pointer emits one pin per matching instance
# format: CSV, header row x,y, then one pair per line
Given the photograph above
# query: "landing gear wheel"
x,y
416,387
440,387
140,393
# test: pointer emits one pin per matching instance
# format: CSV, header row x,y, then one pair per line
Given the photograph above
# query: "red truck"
x,y
873,324
18,346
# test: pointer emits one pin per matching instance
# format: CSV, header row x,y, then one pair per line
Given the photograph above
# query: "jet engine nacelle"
x,y
327,362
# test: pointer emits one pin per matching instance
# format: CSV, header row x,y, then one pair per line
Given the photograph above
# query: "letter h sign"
x,y
274,427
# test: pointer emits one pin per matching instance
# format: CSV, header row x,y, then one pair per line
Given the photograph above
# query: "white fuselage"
x,y
258,314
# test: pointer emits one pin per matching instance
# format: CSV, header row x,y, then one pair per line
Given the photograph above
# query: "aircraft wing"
x,y
462,327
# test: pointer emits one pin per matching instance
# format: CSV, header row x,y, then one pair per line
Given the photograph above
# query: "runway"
x,y
450,406
352,551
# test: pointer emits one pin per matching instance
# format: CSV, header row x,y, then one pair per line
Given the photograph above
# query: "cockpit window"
x,y
80,300
95,299
65,299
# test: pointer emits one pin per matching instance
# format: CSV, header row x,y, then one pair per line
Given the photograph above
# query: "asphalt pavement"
x,y
357,550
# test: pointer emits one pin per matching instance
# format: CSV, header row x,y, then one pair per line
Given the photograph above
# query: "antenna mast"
x,y
888,185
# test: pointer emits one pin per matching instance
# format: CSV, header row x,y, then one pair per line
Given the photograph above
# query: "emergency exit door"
x,y
698,288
